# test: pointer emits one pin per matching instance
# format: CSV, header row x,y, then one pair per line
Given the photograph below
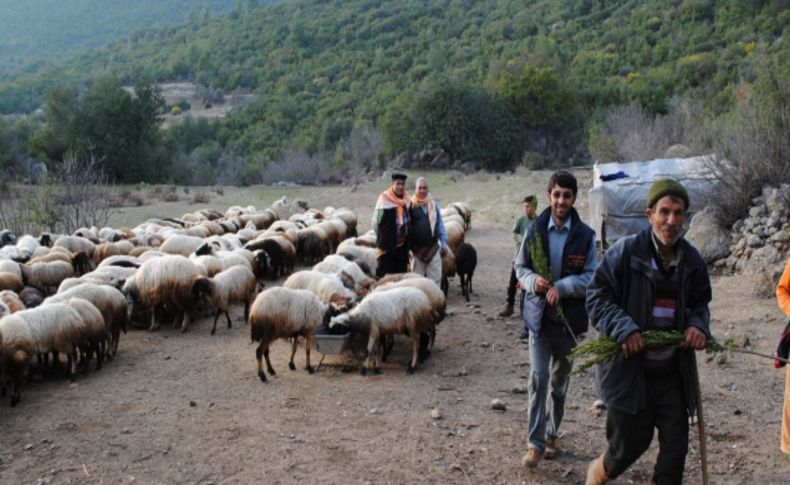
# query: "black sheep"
x,y
465,264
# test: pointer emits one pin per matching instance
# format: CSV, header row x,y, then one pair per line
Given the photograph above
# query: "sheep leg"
x,y
185,322
216,317
72,366
258,355
268,362
152,318
3,390
293,352
470,284
16,394
308,342
100,351
227,317
246,310
425,342
416,338
372,341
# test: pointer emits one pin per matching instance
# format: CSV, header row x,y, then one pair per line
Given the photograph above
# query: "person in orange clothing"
x,y
783,300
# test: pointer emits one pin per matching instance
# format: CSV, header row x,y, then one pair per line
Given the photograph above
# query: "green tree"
x,y
461,120
119,128
539,98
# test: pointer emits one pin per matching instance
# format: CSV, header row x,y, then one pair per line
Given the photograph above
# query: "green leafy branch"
x,y
603,348
540,263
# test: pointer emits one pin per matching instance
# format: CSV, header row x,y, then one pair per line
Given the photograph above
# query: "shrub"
x,y
201,197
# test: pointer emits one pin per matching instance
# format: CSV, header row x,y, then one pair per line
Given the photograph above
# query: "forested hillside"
x,y
543,74
36,30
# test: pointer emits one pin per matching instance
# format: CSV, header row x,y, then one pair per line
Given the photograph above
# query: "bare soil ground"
x,y
189,408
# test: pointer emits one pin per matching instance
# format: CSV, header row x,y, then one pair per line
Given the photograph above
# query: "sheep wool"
x,y
391,312
285,313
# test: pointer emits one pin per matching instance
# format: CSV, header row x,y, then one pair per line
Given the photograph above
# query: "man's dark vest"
x,y
388,230
420,227
574,257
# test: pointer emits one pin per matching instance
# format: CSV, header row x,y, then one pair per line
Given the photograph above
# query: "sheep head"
x,y
347,280
202,289
81,263
345,322
205,249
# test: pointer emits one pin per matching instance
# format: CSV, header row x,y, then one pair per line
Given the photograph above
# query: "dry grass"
x,y
494,197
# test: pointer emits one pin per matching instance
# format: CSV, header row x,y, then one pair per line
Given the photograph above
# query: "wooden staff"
x,y
703,450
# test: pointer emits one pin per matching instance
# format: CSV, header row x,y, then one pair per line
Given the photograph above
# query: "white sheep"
x,y
329,288
47,275
76,244
361,255
10,266
392,312
336,264
95,334
16,349
185,245
172,281
55,328
12,301
397,311
233,285
285,313
438,303
111,303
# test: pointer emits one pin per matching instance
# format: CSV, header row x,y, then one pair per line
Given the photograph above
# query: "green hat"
x,y
665,187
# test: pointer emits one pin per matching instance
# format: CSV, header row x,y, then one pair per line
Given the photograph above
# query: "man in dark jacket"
x,y
554,276
654,280
390,222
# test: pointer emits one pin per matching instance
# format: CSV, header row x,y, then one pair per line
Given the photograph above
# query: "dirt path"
x,y
188,408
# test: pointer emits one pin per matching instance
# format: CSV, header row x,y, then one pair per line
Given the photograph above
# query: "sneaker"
x,y
508,311
551,447
531,459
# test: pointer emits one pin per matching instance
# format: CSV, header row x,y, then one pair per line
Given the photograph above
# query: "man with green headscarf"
x,y
520,229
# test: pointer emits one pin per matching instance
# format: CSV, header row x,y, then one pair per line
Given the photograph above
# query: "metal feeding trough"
x,y
327,343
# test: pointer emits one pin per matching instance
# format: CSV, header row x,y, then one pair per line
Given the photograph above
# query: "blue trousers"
x,y
549,376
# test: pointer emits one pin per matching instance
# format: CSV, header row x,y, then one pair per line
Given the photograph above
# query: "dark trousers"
x,y
511,287
630,435
393,262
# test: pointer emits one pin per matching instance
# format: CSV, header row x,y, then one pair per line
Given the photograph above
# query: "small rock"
x,y
125,431
435,414
374,411
485,344
29,447
192,404
738,412
520,389
498,405
167,357
463,372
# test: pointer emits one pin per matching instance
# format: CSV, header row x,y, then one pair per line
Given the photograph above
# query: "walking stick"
x,y
703,451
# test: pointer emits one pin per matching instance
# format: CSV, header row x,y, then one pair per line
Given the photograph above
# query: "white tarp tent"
x,y
617,207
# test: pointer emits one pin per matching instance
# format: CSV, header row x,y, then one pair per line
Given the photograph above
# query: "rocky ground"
x,y
189,408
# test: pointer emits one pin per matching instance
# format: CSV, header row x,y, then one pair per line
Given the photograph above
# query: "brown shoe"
x,y
551,447
508,311
596,473
531,459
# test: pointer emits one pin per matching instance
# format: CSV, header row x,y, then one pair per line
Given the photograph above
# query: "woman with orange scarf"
x,y
783,300
428,238
391,224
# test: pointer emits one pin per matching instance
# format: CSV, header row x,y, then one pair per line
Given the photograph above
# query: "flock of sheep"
x,y
73,295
